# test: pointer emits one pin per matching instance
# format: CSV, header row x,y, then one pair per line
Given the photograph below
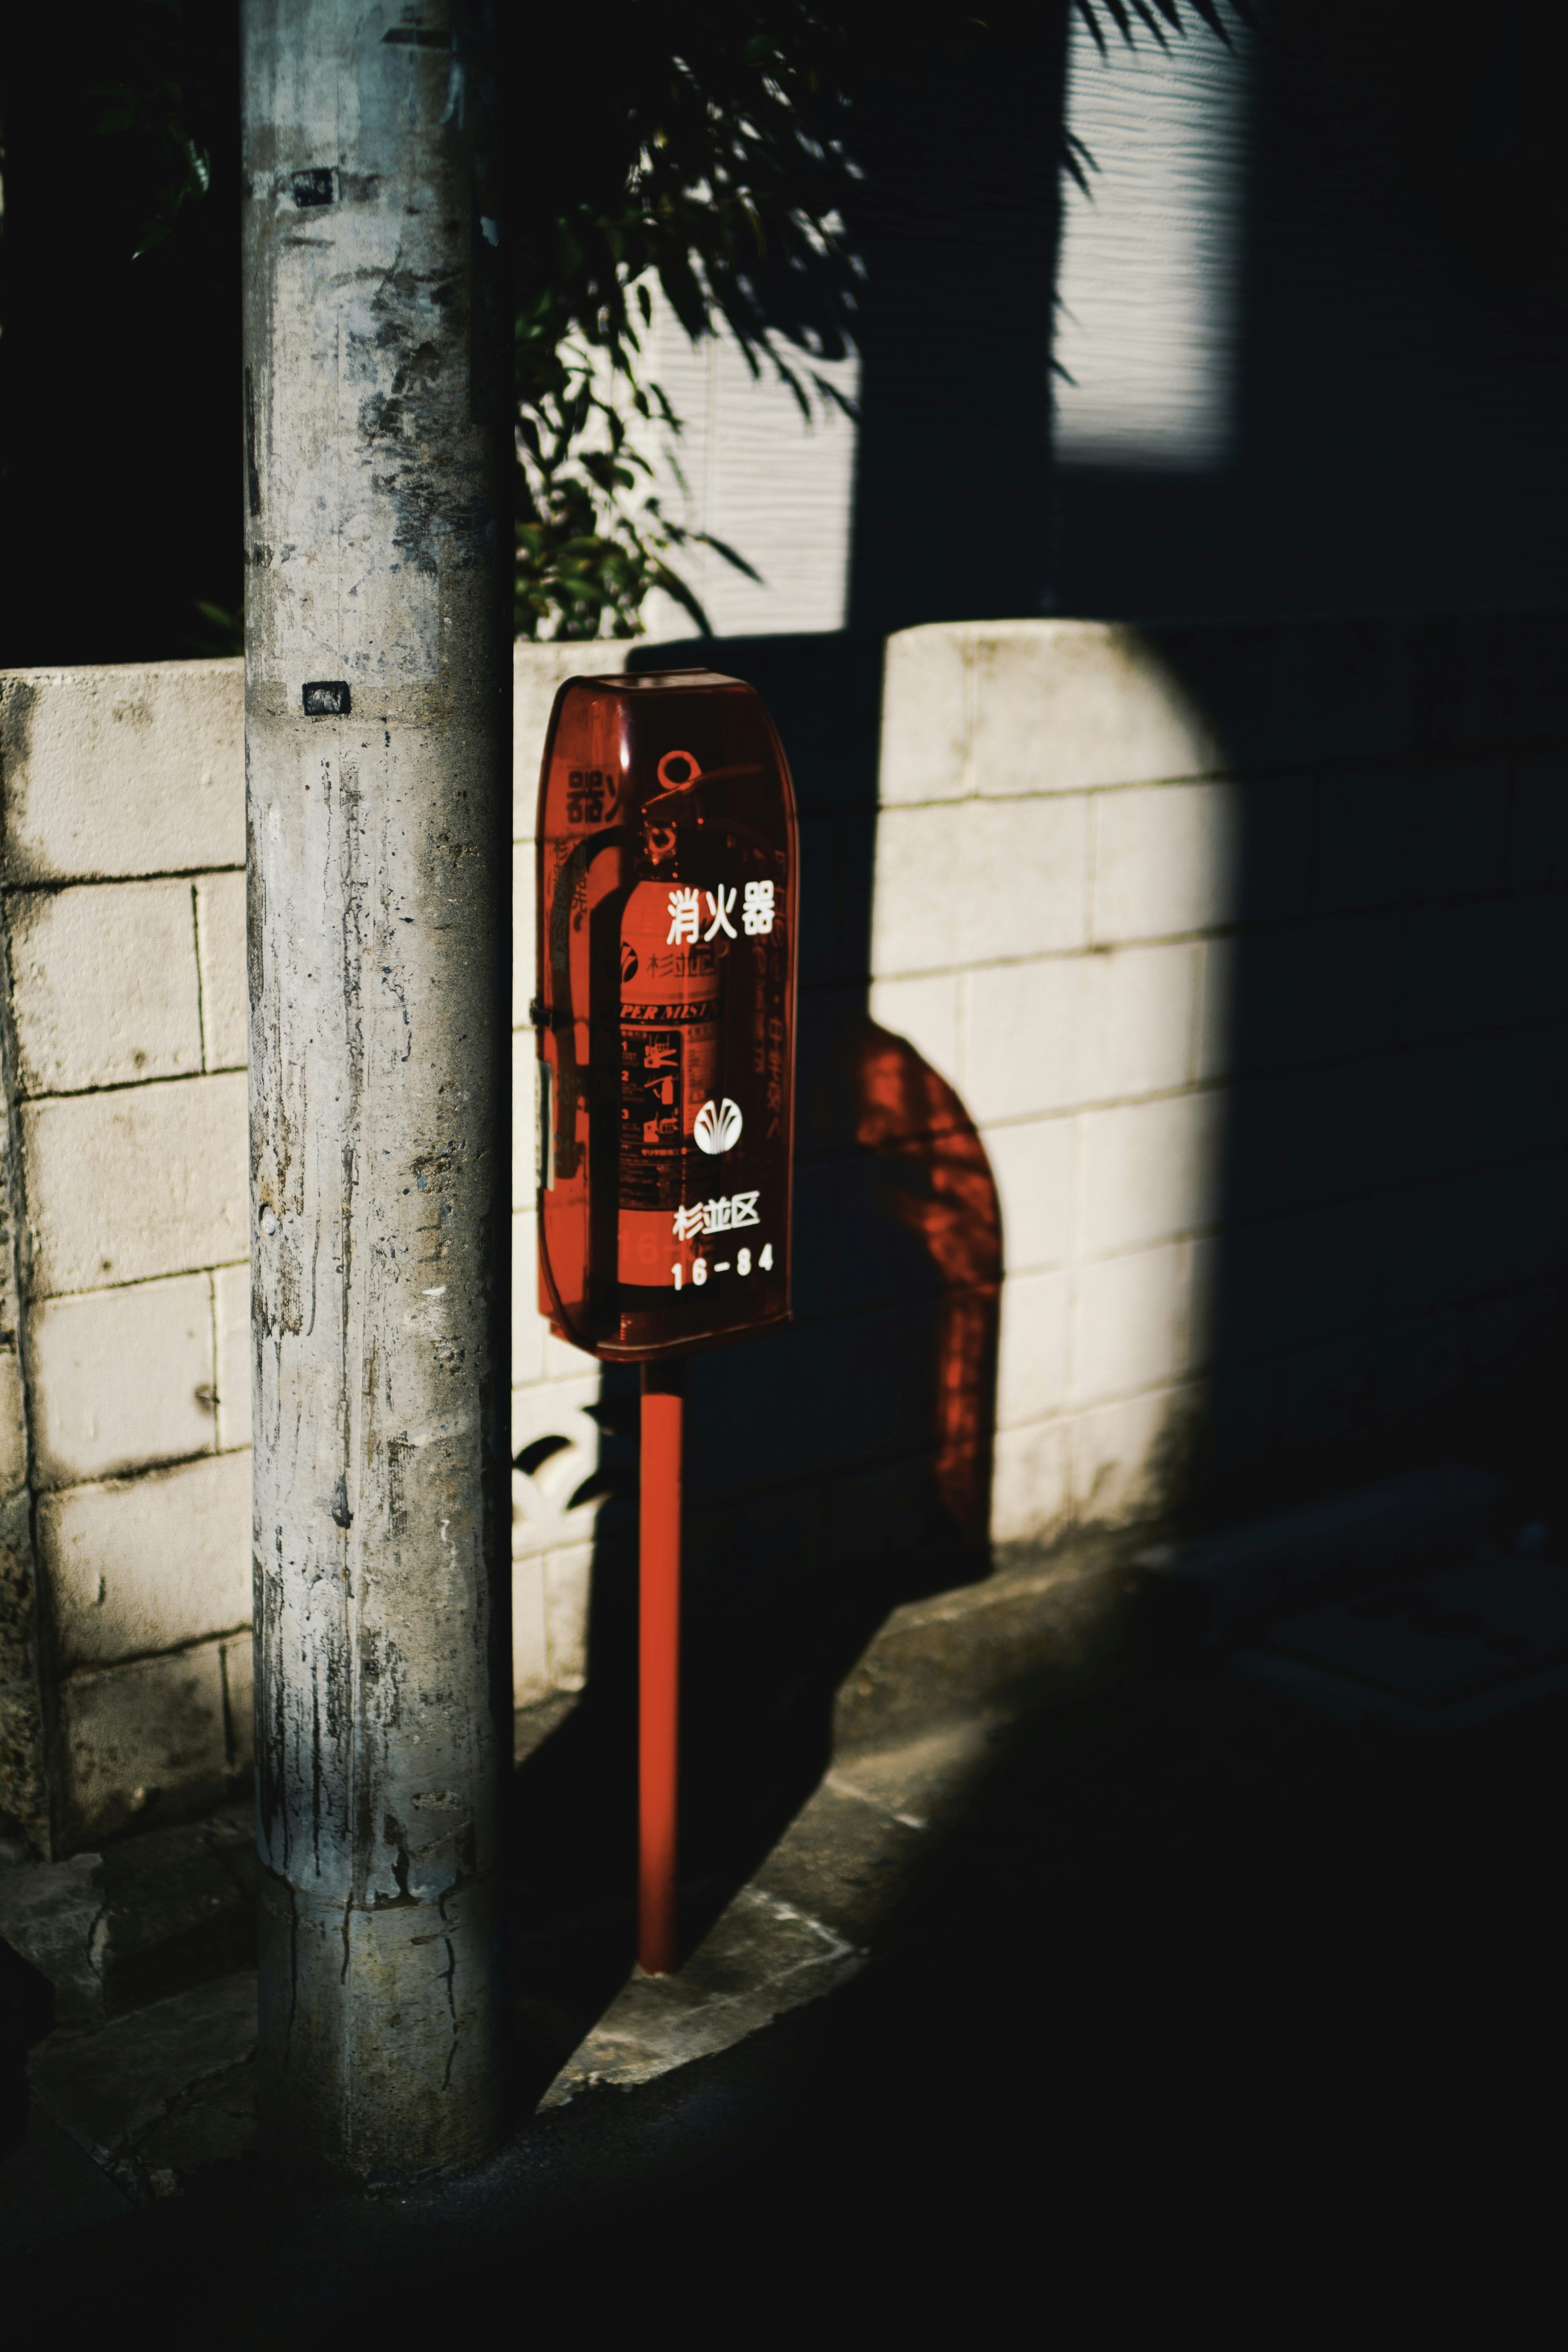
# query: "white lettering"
x,y
720,1217
720,905
684,915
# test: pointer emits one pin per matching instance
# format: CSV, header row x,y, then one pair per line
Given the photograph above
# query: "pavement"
x,y
1109,1954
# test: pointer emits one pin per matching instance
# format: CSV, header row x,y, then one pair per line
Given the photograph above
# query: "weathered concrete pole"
x,y
377,743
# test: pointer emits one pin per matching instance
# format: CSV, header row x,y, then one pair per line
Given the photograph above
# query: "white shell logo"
x,y
717,1126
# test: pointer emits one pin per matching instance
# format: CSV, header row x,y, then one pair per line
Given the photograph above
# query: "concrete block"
x,y
141,1564
104,985
1401,1115
1262,1120
160,2096
1199,1297
239,1702
1313,992
762,1957
1129,1458
1031,1492
1032,1368
530,1330
143,1741
1165,861
1036,1168
536,672
1483,964
1389,834
1099,1028
1024,1044
925,715
1060,706
562,1361
1286,1279
1219,963
880,1511
530,1648
48,1913
147,1181
962,882
231,1322
121,1377
568,1584
1474,1232
221,939
12,1423
862,1389
1150,1170
926,1011
553,1431
1128,1323
134,767
1275,821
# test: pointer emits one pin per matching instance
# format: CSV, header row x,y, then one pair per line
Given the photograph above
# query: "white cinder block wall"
x,y
1049,882
1059,916
128,1673
553,1384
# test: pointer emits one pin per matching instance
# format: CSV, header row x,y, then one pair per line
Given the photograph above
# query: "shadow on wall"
x,y
1386,1279
955,219
1274,916
834,1470
1387,243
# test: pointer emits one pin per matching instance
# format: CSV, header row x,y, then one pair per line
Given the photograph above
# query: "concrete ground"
x,y
1218,1991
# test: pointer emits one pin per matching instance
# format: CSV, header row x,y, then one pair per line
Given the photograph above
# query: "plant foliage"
x,y
706,146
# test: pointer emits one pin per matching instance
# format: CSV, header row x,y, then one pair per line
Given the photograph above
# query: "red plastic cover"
x,y
665,1014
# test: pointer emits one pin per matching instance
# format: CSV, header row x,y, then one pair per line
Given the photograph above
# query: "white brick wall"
x,y
120,1377
1057,890
125,906
1050,851
105,985
124,849
138,1565
123,771
136,1182
552,1383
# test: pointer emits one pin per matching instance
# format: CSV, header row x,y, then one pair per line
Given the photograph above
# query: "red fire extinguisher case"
x,y
668,923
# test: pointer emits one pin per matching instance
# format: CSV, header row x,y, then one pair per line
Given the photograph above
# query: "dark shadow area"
x,y
120,444
956,127
1215,1996
1401,360
833,1470
1388,1285
1385,1263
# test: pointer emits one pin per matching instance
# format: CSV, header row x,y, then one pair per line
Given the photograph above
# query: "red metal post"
x,y
658,1662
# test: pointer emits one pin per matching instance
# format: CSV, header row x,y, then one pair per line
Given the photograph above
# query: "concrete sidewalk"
x,y
1089,1854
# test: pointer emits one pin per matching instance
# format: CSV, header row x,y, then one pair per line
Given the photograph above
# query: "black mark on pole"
x,y
314,187
414,37
252,478
326,698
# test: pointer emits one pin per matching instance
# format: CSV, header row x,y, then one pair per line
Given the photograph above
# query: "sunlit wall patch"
x,y
1147,282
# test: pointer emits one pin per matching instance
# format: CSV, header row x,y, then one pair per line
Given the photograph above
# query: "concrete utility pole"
x,y
377,751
